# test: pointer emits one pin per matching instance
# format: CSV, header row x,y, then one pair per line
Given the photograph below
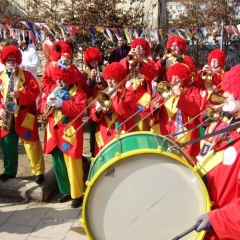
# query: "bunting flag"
x,y
36,32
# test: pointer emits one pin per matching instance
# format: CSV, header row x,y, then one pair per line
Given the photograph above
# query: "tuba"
x,y
10,106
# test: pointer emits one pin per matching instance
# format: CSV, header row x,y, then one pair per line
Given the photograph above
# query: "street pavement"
x,y
29,211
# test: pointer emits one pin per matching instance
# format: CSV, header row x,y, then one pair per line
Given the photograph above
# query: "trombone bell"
x,y
104,99
168,52
164,89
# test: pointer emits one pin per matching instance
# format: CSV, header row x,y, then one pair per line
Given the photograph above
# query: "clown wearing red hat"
x,y
220,166
179,108
110,119
175,52
94,83
61,55
143,70
19,90
210,76
67,102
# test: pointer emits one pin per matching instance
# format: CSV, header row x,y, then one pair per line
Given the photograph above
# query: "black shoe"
x,y
77,202
39,179
64,197
4,177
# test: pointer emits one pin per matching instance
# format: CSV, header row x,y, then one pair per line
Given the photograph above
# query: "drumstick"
x,y
194,227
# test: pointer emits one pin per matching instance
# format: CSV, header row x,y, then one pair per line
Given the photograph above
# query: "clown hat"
x,y
143,43
219,55
231,81
59,48
182,71
116,71
91,54
11,52
69,74
180,42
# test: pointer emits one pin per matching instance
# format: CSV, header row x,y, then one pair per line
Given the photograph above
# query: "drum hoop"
x,y
119,157
121,136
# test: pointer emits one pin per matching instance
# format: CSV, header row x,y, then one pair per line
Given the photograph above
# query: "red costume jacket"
x,y
26,125
60,119
223,184
149,70
123,107
168,118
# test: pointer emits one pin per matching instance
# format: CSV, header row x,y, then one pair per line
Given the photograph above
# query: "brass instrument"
x,y
98,77
168,52
42,119
10,105
131,60
105,101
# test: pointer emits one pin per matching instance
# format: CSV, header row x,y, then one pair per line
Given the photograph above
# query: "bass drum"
x,y
137,190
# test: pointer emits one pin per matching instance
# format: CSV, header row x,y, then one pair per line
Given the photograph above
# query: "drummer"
x,y
122,107
222,169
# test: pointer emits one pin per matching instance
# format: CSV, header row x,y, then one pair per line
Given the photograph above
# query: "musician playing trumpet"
x,y
175,52
67,101
22,89
143,70
179,107
211,75
122,106
220,167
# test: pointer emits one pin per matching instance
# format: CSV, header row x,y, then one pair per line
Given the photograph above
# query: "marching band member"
x,y
123,106
61,55
174,53
220,166
210,76
180,108
94,84
143,70
66,101
21,87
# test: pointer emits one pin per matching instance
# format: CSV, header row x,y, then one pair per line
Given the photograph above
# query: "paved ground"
x,y
24,219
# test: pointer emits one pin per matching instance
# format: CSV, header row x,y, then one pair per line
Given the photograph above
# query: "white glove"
x,y
177,90
205,223
98,106
57,103
50,97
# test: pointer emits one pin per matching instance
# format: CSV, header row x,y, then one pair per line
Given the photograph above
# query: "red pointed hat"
x,y
116,71
219,55
69,74
180,42
59,48
231,81
11,52
92,53
143,43
181,70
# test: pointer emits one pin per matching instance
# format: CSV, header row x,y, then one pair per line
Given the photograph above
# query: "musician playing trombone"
x,y
220,166
119,107
65,102
182,104
143,70
175,52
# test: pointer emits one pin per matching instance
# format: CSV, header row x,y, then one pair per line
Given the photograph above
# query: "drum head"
x,y
144,196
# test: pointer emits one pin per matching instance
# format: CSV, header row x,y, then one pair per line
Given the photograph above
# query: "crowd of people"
x,y
131,93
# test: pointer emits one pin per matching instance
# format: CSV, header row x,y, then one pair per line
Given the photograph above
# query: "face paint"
x,y
94,63
61,84
229,106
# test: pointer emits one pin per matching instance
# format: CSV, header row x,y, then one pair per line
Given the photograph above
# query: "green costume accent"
x,y
10,152
60,170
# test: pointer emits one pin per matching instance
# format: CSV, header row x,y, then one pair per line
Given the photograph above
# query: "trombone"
x,y
165,90
104,100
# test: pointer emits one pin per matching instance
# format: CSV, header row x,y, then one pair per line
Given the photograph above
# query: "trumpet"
x,y
168,52
131,60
